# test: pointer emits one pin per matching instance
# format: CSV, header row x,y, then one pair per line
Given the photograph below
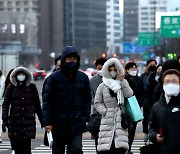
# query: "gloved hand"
x,y
4,127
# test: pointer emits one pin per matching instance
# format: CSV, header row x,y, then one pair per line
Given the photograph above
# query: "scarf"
x,y
115,86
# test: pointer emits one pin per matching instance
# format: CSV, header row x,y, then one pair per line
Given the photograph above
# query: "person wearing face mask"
x,y
110,95
2,84
152,81
21,103
165,115
158,90
67,104
150,67
138,90
95,81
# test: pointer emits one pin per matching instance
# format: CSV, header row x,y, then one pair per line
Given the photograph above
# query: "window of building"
x,y
18,9
144,18
116,41
9,4
116,27
117,34
26,9
116,1
26,3
1,4
116,8
34,3
17,3
144,8
116,14
144,23
144,29
116,21
117,49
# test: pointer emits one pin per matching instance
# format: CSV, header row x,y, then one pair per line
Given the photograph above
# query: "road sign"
x,y
170,26
148,38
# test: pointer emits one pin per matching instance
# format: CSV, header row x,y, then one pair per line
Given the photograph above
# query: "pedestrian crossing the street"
x,y
88,147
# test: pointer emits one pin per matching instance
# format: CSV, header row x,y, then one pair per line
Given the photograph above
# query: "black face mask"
x,y
71,66
152,68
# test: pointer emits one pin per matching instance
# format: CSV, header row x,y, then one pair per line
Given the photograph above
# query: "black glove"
x,y
4,127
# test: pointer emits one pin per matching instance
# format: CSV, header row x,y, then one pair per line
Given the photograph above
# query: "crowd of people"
x,y
70,99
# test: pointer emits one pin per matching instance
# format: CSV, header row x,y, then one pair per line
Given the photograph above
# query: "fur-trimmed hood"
x,y
24,70
110,62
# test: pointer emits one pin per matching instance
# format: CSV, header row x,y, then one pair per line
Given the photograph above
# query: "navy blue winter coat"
x,y
66,102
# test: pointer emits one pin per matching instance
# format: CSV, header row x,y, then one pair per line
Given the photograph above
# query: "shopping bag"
x,y
50,139
133,110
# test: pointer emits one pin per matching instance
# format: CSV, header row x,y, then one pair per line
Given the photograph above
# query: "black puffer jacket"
x,y
67,101
23,102
166,116
136,85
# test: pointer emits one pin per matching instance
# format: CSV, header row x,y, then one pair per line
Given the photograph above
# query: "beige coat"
x,y
108,107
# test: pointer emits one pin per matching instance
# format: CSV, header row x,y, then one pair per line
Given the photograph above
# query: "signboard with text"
x,y
148,38
170,26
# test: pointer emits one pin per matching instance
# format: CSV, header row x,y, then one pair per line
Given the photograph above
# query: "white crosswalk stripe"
x,y
5,145
88,147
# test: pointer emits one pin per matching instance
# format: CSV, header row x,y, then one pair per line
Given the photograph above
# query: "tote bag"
x,y
133,110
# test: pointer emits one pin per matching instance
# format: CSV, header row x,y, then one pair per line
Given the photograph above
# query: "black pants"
x,y
131,132
95,137
74,145
21,146
114,150
146,114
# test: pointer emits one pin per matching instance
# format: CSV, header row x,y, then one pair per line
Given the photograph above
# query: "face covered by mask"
x,y
113,74
171,89
71,66
21,77
152,68
133,73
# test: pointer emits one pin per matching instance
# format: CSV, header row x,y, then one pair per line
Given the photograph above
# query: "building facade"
x,y
130,20
148,9
73,22
18,23
114,32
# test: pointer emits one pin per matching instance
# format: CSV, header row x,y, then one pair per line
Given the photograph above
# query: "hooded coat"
x,y
67,101
111,129
23,102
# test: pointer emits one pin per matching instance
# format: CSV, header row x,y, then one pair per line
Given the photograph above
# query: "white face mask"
x,y
157,77
133,73
113,74
21,77
171,89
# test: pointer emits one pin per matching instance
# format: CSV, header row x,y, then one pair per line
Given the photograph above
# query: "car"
x,y
39,74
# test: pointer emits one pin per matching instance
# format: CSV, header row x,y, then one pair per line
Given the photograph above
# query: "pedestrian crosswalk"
x,y
88,147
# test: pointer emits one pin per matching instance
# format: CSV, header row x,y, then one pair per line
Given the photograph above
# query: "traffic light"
x,y
114,55
103,55
37,65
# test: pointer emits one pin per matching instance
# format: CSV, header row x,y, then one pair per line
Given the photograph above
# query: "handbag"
x,y
149,148
94,123
133,110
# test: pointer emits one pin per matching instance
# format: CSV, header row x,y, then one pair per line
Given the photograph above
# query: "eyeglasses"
x,y
171,81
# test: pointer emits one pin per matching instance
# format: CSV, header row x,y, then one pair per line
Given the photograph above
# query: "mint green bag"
x,y
133,110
